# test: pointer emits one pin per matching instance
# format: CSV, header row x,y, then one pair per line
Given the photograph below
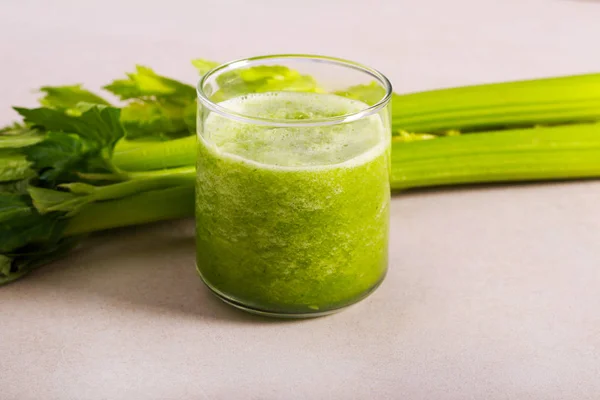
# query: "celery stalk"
x,y
144,156
156,205
563,152
500,105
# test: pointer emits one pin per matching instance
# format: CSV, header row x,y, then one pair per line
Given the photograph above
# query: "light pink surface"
x,y
493,293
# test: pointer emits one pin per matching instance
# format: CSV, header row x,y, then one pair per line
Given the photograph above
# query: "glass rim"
x,y
250,61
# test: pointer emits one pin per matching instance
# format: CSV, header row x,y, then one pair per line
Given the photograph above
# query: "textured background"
x,y
493,293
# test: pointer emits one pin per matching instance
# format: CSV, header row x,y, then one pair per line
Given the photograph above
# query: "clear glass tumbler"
x,y
292,193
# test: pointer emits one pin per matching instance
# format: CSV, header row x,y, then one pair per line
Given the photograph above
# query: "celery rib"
x,y
566,152
481,107
470,119
144,156
145,207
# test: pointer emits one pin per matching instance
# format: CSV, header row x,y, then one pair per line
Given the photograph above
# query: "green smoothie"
x,y
292,220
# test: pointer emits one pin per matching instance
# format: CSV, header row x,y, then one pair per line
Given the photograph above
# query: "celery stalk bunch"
x,y
79,164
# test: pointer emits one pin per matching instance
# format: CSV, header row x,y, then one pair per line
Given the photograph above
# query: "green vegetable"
x,y
500,105
18,135
15,167
67,98
159,106
264,78
534,154
203,66
369,94
73,144
78,164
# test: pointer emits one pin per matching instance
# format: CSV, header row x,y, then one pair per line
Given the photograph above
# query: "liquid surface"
x,y
292,220
294,146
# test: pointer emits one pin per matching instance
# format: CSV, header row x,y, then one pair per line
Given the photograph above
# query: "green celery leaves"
x,y
14,167
67,98
145,83
22,225
98,124
158,118
370,94
203,66
158,106
260,79
52,147
73,143
27,238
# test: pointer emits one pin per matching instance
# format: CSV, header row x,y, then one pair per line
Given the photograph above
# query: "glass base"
x,y
291,315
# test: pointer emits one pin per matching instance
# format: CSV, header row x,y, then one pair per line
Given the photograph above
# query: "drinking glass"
x,y
292,193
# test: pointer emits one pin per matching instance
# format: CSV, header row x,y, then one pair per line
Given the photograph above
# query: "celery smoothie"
x,y
292,219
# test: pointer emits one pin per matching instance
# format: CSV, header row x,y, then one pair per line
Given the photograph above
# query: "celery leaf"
x,y
21,224
203,66
159,106
370,93
68,97
145,83
73,144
